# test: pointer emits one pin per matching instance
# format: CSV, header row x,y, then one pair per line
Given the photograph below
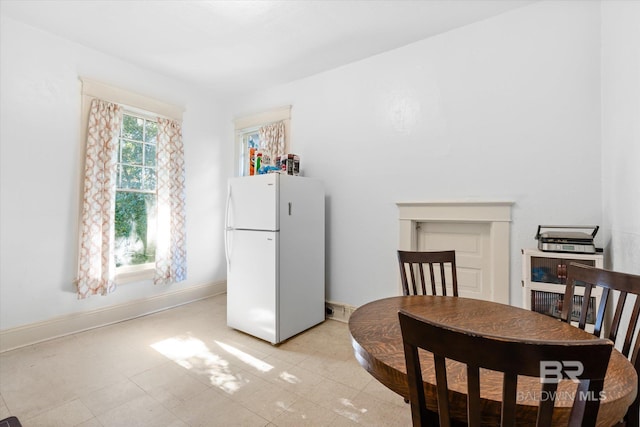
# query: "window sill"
x,y
135,273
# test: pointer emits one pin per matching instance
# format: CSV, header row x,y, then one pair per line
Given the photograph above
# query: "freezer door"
x,y
252,202
252,283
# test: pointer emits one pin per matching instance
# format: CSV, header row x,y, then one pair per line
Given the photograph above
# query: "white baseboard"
x,y
339,311
77,322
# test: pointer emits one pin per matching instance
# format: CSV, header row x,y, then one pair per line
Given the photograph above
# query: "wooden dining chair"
x,y
620,299
509,356
412,267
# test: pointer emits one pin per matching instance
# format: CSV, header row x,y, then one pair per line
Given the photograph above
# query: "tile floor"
x,y
185,367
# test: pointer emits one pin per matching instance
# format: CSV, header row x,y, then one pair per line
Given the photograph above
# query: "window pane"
x,y
149,155
149,179
253,141
130,177
132,127
131,152
151,132
135,228
248,140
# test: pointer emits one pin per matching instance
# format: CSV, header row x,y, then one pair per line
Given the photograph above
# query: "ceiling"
x,y
238,46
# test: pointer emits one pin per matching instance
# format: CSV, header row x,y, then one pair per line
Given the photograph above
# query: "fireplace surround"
x,y
496,214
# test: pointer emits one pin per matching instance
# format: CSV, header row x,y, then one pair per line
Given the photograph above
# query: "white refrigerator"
x,y
274,242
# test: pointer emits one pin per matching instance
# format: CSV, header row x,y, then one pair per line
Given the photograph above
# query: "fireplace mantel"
x,y
495,213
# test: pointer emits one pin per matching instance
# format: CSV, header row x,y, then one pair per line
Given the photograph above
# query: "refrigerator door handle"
x,y
226,248
227,228
226,211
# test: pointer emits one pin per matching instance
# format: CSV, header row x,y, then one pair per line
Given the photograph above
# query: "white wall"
x,y
507,109
621,133
40,167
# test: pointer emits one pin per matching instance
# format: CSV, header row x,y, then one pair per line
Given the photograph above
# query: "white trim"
x,y
130,100
473,211
135,273
262,118
78,322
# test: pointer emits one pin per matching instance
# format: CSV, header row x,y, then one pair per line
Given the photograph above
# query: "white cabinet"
x,y
543,280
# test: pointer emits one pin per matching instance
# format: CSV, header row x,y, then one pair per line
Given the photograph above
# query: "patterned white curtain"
x,y
171,250
96,269
272,139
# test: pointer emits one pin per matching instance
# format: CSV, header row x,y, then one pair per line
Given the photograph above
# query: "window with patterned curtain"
x,y
133,221
267,131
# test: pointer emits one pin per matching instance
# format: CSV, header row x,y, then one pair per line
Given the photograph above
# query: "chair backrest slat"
x,y
599,323
473,380
413,278
433,279
545,411
585,306
509,387
444,280
422,280
630,335
617,315
443,390
439,264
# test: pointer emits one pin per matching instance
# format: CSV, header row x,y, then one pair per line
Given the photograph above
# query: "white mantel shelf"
x,y
496,213
459,210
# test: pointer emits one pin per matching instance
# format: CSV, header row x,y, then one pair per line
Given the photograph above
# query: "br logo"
x,y
552,371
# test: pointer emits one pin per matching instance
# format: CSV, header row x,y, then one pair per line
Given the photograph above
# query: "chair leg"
x,y
633,416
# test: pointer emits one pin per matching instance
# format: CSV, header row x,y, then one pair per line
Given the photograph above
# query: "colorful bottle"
x,y
258,162
252,161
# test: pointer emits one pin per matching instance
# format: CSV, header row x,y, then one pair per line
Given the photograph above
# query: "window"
x,y
135,215
247,134
248,138
134,165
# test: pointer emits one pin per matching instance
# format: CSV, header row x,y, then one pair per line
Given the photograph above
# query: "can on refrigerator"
x,y
290,164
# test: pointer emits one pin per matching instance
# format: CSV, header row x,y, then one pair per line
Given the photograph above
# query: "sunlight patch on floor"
x,y
194,355
350,410
290,378
187,351
246,357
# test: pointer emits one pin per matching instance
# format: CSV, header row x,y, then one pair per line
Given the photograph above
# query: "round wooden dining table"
x,y
377,343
